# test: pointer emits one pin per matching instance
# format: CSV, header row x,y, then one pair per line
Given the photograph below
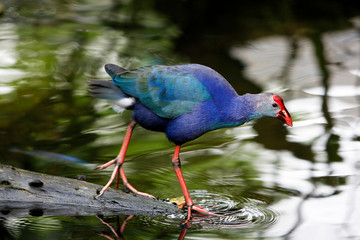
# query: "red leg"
x,y
118,161
189,202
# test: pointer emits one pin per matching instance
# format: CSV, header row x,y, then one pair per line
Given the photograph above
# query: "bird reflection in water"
x,y
118,233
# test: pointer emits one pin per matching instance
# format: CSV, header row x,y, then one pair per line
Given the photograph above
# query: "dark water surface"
x,y
269,181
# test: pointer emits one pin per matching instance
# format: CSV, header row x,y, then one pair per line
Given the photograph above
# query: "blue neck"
x,y
236,112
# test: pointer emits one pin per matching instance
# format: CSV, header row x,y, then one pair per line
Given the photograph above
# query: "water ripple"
x,y
245,213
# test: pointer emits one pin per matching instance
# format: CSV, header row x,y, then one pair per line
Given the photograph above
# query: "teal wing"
x,y
168,91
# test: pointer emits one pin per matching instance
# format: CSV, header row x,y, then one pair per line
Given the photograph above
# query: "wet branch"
x,y
29,193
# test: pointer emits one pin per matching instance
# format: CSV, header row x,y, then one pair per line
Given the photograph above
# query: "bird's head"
x,y
282,112
273,106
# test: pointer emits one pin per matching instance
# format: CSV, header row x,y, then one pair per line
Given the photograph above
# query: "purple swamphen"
x,y
184,102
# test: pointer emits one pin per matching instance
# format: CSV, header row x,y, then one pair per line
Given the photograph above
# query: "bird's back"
x,y
170,91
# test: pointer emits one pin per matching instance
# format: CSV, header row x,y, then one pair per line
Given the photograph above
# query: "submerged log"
x,y
29,193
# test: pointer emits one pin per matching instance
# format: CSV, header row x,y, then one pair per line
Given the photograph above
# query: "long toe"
x,y
203,211
146,195
106,164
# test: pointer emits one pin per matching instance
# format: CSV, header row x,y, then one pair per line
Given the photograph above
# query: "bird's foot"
x,y
131,188
118,170
195,208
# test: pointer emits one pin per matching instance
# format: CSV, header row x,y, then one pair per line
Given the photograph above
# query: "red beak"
x,y
285,117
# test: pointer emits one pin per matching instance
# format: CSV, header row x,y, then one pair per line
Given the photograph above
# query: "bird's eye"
x,y
274,105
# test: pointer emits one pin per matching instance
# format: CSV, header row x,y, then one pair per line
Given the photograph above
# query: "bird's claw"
x,y
100,194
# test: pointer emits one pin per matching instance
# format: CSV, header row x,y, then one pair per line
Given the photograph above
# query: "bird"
x,y
183,101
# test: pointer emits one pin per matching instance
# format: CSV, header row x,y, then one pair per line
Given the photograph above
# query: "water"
x,y
268,181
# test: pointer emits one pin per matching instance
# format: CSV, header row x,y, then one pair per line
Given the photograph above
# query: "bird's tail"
x,y
106,89
114,70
